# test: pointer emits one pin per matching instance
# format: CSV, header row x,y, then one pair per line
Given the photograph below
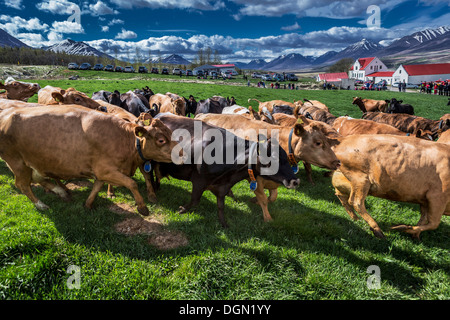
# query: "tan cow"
x,y
394,168
18,90
370,105
66,142
347,126
315,103
166,103
53,95
444,137
270,104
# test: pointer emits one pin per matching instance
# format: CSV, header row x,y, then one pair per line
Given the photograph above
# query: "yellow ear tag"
x,y
300,121
146,122
140,134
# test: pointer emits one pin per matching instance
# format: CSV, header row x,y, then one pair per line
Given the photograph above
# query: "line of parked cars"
x,y
127,69
275,77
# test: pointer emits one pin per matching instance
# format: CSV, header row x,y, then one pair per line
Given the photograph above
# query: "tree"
x,y
217,58
342,65
201,57
208,55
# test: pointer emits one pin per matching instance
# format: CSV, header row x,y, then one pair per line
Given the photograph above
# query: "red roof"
x,y
423,69
364,62
224,65
333,76
382,74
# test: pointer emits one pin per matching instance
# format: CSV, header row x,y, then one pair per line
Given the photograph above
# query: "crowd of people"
x,y
441,88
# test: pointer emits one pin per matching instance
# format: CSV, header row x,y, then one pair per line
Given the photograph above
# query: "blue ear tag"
x,y
147,166
295,169
253,185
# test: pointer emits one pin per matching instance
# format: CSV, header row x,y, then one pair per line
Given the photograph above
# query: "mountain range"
x,y
426,46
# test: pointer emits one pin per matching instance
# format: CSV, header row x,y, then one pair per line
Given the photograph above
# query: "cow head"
x,y
311,144
275,166
17,90
114,98
156,140
179,105
72,96
358,101
191,105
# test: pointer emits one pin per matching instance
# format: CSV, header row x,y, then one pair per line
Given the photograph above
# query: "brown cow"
x,y
395,168
409,123
444,137
74,142
370,105
315,103
18,90
167,104
54,95
316,113
270,104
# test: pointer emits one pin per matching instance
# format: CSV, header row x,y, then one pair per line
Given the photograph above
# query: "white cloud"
x,y
105,28
15,4
126,34
293,27
115,21
100,9
14,24
63,7
206,5
67,27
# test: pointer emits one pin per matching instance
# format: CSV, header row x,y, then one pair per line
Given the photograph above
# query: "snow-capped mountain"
x,y
292,61
7,40
363,48
78,48
172,59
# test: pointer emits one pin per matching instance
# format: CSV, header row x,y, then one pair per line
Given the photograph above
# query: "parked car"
x,y
256,75
98,66
213,75
176,71
408,85
154,70
85,66
142,70
278,77
189,73
109,67
73,66
291,77
200,73
226,74
165,71
266,77
129,69
119,69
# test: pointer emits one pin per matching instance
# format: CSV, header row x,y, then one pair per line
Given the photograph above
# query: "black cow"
x,y
448,102
211,105
216,177
101,95
396,106
283,109
134,103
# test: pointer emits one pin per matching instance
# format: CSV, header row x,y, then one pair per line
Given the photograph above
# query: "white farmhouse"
x,y
417,73
364,67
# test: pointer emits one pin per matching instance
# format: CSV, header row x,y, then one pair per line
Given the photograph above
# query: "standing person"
x,y
446,88
441,88
435,88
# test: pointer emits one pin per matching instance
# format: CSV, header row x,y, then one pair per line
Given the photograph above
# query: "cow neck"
x,y
291,155
139,150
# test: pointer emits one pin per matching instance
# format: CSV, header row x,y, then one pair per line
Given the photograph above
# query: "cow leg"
x,y
220,193
344,201
263,201
117,178
111,193
57,189
436,209
342,188
151,195
357,200
308,170
98,184
196,195
23,175
273,194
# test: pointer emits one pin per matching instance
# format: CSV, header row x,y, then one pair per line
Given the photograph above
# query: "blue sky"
x,y
240,30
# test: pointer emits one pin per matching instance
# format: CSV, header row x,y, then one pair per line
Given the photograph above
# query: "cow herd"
x,y
389,153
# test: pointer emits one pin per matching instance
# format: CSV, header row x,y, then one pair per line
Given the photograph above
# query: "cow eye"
x,y
318,143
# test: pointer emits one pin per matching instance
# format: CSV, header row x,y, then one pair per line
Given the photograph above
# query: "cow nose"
x,y
293,183
337,164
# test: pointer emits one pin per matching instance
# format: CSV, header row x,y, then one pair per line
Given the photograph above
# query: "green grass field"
x,y
312,249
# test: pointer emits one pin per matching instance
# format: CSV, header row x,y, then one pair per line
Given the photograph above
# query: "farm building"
x,y
365,66
219,68
340,79
380,76
417,73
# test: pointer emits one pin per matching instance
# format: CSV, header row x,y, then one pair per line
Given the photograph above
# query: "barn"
x,y
380,76
418,73
340,79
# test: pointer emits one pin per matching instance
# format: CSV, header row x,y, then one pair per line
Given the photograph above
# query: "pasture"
x,y
312,250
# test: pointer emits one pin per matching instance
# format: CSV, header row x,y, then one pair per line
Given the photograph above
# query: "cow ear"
x,y
302,119
299,130
58,96
400,101
140,131
386,101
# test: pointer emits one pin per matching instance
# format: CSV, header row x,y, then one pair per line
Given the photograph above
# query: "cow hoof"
x,y
143,211
378,233
41,206
182,210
